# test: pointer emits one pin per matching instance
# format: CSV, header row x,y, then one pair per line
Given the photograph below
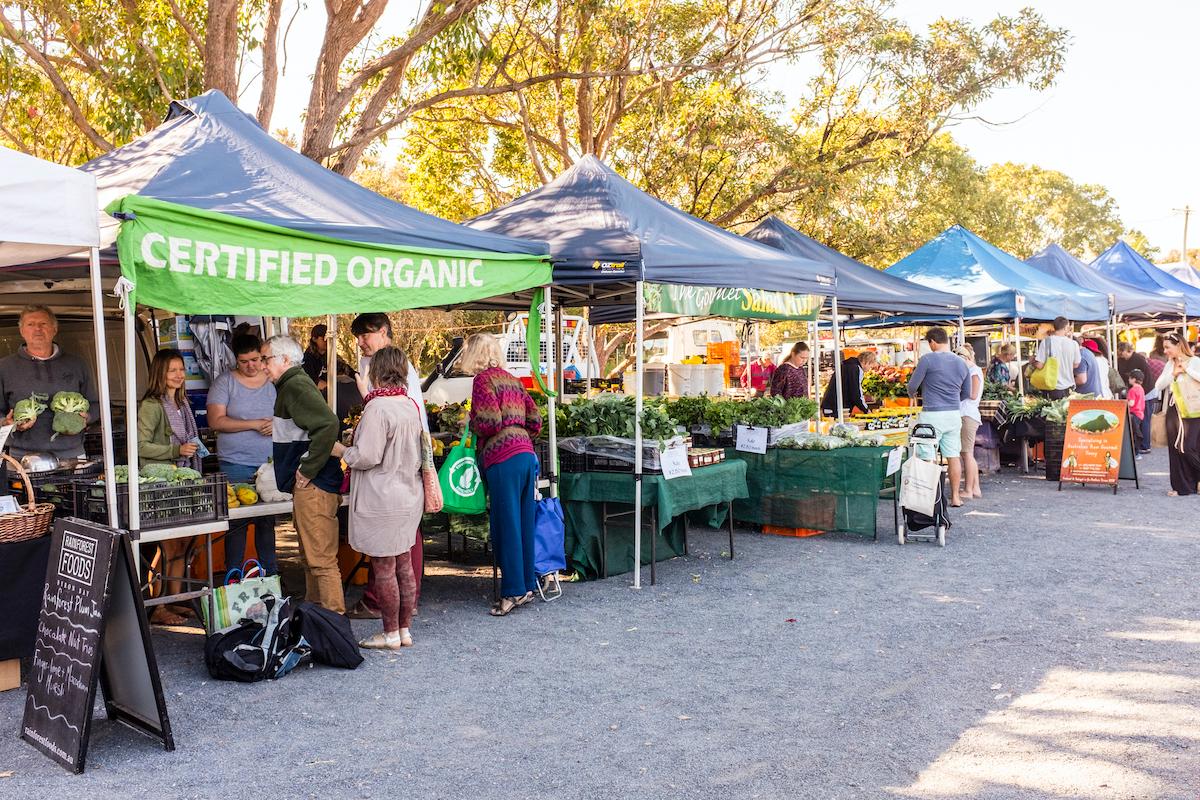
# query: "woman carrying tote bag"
x,y
387,495
1179,385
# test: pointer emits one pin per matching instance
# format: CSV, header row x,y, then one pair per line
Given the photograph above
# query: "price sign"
x,y
751,440
674,462
894,460
5,430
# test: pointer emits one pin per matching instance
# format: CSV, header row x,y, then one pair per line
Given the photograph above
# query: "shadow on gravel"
x,y
1085,733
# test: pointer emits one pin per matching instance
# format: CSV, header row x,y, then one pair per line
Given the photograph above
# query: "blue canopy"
x,y
859,287
1127,300
1121,262
210,154
994,284
603,229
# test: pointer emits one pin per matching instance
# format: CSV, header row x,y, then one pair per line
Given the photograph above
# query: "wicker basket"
x,y
31,523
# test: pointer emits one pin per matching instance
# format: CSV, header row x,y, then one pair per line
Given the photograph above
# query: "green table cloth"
x,y
829,490
704,495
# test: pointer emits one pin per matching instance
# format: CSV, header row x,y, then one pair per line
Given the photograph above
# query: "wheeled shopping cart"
x,y
914,524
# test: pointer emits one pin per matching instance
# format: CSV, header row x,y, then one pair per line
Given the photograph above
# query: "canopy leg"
x,y
837,365
105,394
637,438
1020,367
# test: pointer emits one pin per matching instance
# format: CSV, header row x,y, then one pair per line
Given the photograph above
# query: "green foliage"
x,y
613,415
762,412
997,391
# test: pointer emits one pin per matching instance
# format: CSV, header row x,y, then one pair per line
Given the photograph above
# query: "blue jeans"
x,y
511,485
264,528
1151,407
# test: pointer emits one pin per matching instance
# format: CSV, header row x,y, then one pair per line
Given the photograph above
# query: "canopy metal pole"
x,y
1020,367
106,427
837,364
814,361
268,327
331,361
637,437
131,427
962,332
591,356
552,342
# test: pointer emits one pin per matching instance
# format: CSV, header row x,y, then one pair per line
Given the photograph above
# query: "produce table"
x,y
819,489
586,497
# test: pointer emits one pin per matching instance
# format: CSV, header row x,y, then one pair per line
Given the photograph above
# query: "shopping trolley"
x,y
923,476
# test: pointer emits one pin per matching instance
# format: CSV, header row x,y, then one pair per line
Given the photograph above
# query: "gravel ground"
x,y
1049,650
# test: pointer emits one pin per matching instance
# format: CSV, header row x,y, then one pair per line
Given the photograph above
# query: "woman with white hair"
x,y
505,420
971,420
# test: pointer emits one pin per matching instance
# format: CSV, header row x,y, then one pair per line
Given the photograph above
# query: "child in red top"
x,y
1137,404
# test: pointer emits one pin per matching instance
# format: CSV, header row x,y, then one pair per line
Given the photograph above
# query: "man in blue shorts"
x,y
943,380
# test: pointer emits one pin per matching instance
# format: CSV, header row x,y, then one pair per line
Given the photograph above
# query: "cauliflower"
x,y
185,474
29,409
70,402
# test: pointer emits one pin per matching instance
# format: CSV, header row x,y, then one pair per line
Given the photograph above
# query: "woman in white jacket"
x,y
1183,435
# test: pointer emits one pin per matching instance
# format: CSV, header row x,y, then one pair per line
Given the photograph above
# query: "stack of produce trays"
x,y
168,496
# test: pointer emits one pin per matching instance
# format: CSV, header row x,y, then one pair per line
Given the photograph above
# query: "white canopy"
x,y
1182,271
46,210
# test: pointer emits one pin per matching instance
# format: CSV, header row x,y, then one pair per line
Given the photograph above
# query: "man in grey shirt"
x,y
943,380
41,367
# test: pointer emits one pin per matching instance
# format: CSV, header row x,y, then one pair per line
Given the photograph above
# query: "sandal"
x,y
504,607
379,641
523,599
406,640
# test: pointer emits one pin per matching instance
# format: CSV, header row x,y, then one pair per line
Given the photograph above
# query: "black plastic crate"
x,y
161,505
572,462
52,486
608,464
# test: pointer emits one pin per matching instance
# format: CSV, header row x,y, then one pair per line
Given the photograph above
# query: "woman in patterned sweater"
x,y
505,420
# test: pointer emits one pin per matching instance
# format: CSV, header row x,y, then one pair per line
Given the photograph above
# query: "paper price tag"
x,y
5,430
751,440
674,463
894,460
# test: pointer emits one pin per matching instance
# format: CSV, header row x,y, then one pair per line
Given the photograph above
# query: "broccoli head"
x,y
72,402
29,409
68,422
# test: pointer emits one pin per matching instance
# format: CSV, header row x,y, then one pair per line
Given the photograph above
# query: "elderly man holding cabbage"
x,y
48,395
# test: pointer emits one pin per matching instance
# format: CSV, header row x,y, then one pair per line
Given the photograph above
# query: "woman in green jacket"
x,y
167,435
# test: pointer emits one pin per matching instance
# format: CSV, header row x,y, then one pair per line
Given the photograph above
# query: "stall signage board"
x,y
717,301
1096,433
92,628
674,463
751,440
193,261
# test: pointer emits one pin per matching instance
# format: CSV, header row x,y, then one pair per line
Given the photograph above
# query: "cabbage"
x,y
29,409
70,402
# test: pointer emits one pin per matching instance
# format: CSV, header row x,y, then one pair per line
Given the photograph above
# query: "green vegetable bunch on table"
x,y
155,473
611,415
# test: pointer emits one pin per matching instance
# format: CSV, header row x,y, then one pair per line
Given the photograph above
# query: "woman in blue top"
x,y
241,405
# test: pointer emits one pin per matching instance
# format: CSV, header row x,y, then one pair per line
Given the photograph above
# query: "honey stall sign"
x,y
1096,433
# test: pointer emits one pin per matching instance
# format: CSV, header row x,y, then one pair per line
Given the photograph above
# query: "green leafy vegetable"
x,y
29,409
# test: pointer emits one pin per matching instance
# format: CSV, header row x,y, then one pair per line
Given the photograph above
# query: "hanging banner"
x,y
1095,436
716,301
193,261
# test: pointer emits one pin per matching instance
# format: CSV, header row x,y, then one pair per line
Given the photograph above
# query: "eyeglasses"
x,y
267,359
1173,338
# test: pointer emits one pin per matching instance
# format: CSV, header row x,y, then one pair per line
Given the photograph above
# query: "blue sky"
x,y
1123,114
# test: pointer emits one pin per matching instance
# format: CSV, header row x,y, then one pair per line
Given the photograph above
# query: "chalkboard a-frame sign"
x,y
92,628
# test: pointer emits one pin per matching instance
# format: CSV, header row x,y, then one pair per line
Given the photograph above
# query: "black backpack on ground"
x,y
328,635
250,651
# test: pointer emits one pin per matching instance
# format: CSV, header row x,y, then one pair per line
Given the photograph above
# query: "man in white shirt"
x,y
1059,345
374,332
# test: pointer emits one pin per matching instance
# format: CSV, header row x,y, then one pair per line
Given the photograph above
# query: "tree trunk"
x,y
270,65
221,47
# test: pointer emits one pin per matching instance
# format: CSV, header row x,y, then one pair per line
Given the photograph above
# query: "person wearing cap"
x,y
1103,387
1087,374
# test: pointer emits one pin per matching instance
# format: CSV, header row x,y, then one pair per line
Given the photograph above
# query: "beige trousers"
x,y
315,512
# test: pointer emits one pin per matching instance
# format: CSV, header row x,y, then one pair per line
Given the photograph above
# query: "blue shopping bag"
x,y
549,531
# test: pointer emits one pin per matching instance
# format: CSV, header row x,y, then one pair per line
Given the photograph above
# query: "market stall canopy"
x,y
1127,300
211,165
859,287
1181,271
603,230
46,210
995,285
1121,262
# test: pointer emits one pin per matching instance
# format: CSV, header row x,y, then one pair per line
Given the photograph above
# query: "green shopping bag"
x,y
461,480
239,597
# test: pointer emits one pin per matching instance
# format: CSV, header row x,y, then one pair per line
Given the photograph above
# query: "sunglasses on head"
x,y
1173,338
